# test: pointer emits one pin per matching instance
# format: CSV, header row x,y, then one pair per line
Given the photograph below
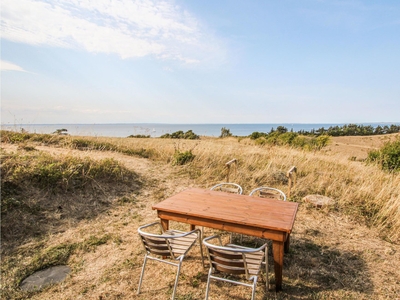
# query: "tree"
x,y
225,132
62,131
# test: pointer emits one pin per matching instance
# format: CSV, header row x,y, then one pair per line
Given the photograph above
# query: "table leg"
x,y
287,244
277,249
165,224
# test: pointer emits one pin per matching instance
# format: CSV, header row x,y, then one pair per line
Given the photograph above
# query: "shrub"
x,y
61,131
321,141
388,157
188,135
14,137
261,141
225,132
255,135
139,136
181,158
287,138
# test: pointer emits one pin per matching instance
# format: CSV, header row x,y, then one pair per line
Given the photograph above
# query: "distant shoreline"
x,y
158,129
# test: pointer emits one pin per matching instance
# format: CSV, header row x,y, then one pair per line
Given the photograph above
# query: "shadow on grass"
x,y
33,213
310,269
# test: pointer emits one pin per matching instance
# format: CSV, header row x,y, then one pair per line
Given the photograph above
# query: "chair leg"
x,y
253,294
177,277
141,274
266,269
208,283
201,250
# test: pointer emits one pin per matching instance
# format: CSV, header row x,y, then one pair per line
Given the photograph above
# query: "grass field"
x,y
89,217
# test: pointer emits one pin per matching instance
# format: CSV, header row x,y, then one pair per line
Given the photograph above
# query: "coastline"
x,y
158,129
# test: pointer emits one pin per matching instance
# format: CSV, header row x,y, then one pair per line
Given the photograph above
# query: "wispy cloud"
x,y
8,66
128,28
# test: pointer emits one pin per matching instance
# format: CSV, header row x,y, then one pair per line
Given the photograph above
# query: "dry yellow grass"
x,y
337,252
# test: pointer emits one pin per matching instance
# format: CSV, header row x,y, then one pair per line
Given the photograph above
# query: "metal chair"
x,y
268,192
167,247
235,260
228,187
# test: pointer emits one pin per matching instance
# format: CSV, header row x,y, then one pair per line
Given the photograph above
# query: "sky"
x,y
210,61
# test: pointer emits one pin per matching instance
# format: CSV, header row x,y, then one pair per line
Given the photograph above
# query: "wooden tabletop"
x,y
240,209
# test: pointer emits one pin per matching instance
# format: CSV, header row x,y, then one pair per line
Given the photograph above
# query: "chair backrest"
x,y
227,261
167,244
230,259
155,243
268,192
228,187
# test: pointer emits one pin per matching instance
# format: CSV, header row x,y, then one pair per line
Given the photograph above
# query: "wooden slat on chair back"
x,y
181,245
156,245
229,190
227,262
269,194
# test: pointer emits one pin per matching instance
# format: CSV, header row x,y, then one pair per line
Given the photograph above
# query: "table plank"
x,y
240,209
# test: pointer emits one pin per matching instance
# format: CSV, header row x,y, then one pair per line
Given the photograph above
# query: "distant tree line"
x,y
139,136
352,130
281,136
319,138
345,130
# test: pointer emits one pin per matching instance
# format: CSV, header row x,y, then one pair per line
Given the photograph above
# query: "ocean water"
x,y
156,129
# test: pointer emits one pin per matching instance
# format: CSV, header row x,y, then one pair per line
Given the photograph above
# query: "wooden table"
x,y
260,217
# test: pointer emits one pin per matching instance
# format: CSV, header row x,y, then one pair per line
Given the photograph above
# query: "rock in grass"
x,y
318,201
40,279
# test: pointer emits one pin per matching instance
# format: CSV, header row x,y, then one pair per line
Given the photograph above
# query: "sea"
x,y
159,129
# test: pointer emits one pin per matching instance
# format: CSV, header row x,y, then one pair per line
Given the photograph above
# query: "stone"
x,y
318,200
45,277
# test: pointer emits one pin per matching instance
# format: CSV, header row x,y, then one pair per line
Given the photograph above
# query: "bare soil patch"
x,y
357,147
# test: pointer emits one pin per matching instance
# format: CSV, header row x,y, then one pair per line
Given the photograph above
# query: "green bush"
x,y
388,157
182,157
139,136
188,135
260,141
14,137
287,138
299,142
283,137
320,141
255,135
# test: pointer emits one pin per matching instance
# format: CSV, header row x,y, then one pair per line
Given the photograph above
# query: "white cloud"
x,y
128,28
7,66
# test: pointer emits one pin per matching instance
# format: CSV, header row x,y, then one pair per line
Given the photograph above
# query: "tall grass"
x,y
364,192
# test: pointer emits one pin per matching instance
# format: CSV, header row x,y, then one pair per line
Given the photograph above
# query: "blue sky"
x,y
211,61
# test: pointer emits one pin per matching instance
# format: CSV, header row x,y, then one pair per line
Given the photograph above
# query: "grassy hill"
x,y
79,200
